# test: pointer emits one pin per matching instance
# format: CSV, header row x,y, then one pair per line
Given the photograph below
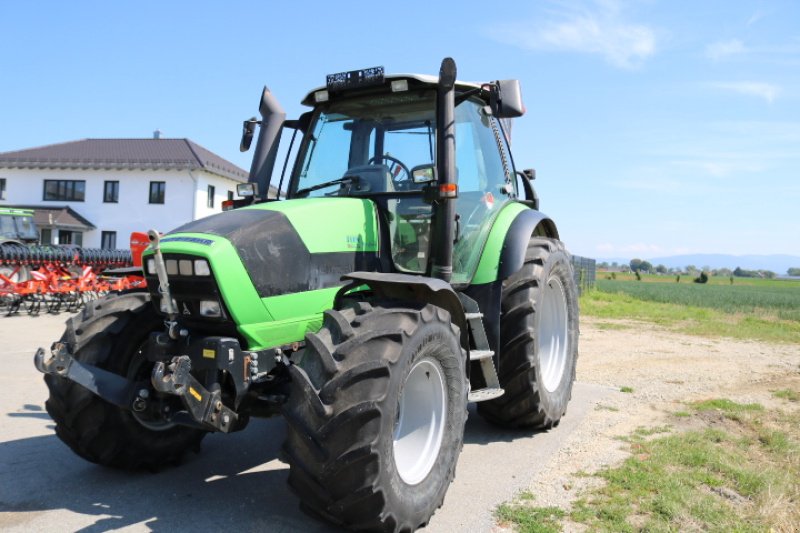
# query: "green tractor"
x,y
17,229
399,275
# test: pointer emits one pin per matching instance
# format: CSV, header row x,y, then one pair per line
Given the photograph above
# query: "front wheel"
x,y
376,416
108,334
538,340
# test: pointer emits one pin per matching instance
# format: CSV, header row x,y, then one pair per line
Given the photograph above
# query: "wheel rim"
x,y
553,333
420,423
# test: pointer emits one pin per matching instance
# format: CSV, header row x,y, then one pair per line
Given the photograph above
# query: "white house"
x,y
95,192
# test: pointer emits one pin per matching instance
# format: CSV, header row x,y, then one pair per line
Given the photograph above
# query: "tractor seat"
x,y
369,179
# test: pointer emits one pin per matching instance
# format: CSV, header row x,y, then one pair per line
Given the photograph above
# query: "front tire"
x,y
108,334
538,340
376,416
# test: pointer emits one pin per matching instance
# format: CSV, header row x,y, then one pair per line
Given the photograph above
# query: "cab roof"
x,y
420,81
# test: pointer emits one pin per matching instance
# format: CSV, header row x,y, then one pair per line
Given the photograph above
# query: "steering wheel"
x,y
395,164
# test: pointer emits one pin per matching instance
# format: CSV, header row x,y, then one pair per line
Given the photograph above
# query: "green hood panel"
x,y
241,299
278,265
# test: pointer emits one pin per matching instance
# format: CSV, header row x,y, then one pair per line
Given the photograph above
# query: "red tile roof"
x,y
123,154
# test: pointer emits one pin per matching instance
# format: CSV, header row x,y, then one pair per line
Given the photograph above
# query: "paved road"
x,y
237,481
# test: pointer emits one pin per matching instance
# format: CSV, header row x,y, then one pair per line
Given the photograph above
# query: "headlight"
x,y
210,308
201,268
185,267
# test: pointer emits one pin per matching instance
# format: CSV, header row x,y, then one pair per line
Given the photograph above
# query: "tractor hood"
x,y
294,245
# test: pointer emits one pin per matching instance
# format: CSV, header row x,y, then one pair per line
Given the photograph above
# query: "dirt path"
x,y
664,369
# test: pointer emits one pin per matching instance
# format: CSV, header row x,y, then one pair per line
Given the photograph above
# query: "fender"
x,y
504,252
526,224
411,288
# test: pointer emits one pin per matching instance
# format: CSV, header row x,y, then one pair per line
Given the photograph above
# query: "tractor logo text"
x,y
357,242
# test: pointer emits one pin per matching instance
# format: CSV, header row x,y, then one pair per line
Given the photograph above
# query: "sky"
x,y
656,128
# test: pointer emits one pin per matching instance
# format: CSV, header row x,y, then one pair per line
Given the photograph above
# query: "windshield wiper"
x,y
322,185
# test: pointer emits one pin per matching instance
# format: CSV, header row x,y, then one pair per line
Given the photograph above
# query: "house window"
x,y
2,188
108,240
157,189
210,199
230,195
111,192
65,190
70,237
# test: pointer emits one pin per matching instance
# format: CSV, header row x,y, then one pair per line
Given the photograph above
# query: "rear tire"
x,y
368,379
108,334
538,340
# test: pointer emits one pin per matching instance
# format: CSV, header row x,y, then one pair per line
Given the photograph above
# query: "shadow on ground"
x,y
236,481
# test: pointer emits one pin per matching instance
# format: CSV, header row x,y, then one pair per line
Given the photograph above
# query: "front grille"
x,y
188,291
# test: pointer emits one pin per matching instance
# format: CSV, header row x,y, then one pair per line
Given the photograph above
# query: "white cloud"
x,y
599,29
725,49
768,91
758,15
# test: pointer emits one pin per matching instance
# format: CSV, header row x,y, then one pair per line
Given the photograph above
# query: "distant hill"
x,y
776,263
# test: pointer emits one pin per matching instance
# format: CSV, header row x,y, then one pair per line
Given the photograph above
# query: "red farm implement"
x,y
54,279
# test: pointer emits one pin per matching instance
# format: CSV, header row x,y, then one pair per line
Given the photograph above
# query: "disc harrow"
x,y
54,279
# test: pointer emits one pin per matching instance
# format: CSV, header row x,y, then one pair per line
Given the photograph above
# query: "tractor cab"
x,y
381,144
375,136
17,226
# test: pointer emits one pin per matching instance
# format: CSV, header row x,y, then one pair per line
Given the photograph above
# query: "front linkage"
x,y
201,382
205,405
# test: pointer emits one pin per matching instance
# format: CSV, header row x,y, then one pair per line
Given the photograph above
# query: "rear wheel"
x,y
538,340
109,334
376,416
16,274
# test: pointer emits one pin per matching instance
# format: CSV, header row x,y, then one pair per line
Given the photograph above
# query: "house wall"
x,y
221,188
184,199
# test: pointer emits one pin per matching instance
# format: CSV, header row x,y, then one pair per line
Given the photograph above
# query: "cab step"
x,y
481,352
477,355
482,395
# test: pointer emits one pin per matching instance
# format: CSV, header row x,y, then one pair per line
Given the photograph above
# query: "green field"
x,y
767,310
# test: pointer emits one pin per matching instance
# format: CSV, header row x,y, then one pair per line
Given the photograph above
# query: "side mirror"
x,y
247,190
423,173
248,128
529,173
505,99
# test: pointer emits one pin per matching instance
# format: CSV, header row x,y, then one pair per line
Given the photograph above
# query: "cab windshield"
x,y
375,140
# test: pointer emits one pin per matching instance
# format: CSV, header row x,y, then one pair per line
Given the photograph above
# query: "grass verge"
x,y
763,325
724,467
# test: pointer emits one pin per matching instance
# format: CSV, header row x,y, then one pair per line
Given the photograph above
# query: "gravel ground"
x,y
44,487
665,370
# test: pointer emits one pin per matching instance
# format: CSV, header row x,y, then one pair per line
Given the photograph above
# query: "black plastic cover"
x,y
276,259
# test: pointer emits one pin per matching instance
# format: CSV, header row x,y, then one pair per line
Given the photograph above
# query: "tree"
x,y
661,269
645,267
636,264
702,278
794,271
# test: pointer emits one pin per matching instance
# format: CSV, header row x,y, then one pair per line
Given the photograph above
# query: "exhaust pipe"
x,y
441,246
272,118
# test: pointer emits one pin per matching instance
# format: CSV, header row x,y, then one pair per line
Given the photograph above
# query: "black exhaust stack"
x,y
272,117
441,247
